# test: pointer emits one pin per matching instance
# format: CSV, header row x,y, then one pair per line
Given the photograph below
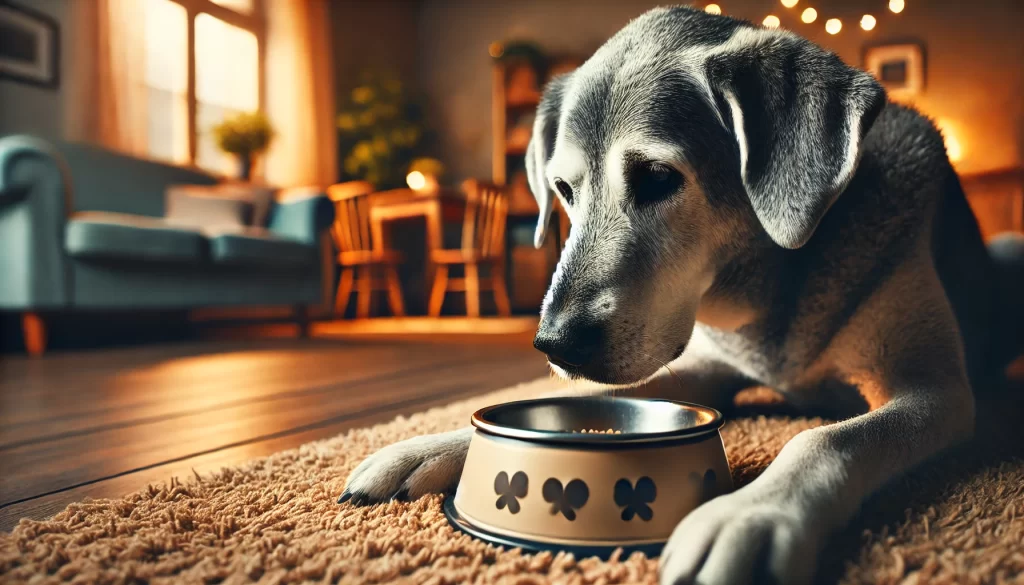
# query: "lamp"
x,y
423,175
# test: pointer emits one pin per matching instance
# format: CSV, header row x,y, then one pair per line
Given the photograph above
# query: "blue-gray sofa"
x,y
83,228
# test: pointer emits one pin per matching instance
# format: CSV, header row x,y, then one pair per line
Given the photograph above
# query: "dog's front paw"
x,y
409,469
736,539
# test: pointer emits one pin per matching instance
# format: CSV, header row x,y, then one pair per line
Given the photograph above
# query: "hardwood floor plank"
x,y
47,505
64,389
52,465
173,392
101,423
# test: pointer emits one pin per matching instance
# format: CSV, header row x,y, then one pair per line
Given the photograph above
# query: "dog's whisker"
x,y
671,372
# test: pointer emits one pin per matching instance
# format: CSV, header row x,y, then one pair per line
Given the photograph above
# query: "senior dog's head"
x,y
680,140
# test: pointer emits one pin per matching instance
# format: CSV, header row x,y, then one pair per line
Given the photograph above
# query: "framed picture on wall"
x,y
900,68
29,46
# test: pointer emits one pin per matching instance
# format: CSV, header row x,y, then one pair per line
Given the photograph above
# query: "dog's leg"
x,y
409,469
776,525
813,488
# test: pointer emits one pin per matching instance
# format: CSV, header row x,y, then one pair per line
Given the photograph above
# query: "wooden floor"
x,y
103,423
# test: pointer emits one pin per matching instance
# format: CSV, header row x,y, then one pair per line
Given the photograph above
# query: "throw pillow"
x,y
220,205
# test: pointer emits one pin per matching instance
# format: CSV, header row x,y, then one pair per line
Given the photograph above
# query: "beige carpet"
x,y
275,520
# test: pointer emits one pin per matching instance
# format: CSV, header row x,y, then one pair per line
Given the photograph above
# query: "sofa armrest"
x,y
35,198
302,218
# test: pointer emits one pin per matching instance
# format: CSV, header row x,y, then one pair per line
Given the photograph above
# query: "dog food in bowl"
x,y
529,482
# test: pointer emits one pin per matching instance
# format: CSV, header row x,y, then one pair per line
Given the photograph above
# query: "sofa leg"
x,y
33,330
302,320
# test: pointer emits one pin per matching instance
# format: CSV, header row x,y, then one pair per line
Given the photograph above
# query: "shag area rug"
x,y
958,519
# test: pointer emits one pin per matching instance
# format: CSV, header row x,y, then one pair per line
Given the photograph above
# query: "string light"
x,y
809,15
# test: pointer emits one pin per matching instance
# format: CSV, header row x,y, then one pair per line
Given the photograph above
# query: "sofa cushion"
x,y
258,247
190,208
226,204
261,197
101,235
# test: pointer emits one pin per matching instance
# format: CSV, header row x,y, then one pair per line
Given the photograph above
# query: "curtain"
x,y
107,95
300,94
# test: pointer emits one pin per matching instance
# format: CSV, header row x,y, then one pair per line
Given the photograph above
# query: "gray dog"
x,y
750,210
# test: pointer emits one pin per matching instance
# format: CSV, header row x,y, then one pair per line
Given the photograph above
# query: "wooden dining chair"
x,y
483,246
366,267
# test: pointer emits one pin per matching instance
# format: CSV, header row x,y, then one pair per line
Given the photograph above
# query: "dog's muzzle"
x,y
574,345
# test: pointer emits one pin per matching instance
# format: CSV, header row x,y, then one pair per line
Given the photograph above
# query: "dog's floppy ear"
x,y
798,114
538,153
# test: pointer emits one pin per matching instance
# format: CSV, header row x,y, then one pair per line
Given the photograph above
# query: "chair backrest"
x,y
483,229
351,228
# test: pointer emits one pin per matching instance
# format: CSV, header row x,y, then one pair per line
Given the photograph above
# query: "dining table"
x,y
436,206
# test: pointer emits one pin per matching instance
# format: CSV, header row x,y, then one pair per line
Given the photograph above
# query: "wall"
x,y
27,108
377,34
974,53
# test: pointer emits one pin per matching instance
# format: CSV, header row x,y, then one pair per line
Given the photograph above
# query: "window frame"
x,y
254,22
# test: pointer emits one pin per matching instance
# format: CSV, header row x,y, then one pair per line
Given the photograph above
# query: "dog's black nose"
x,y
570,346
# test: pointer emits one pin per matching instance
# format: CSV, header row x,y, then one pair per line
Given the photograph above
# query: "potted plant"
x,y
244,135
381,130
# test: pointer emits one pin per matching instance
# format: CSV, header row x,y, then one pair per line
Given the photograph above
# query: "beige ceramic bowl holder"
x,y
590,496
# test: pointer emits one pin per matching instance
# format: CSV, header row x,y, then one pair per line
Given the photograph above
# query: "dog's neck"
x,y
745,286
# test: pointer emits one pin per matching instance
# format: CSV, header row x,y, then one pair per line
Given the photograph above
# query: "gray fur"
x,y
836,261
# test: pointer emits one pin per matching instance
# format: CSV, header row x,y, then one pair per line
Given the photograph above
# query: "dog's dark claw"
x,y
362,499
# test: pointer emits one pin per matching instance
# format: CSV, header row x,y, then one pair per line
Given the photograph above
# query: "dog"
x,y
749,210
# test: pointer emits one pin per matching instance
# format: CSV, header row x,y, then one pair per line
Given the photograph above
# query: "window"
x,y
167,80
227,80
236,5
202,64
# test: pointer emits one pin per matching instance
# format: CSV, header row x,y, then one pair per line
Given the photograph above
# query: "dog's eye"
x,y
652,183
564,189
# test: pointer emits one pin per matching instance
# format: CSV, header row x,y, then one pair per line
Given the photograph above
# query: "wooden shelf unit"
x,y
512,113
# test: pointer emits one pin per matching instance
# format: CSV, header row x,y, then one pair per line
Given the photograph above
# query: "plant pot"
x,y
245,162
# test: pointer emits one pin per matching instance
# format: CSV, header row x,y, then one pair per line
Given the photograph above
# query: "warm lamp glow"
x,y
954,149
416,180
867,22
833,26
809,15
789,3
896,6
713,9
771,21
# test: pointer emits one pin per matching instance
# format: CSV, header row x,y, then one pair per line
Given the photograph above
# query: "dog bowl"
x,y
532,480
